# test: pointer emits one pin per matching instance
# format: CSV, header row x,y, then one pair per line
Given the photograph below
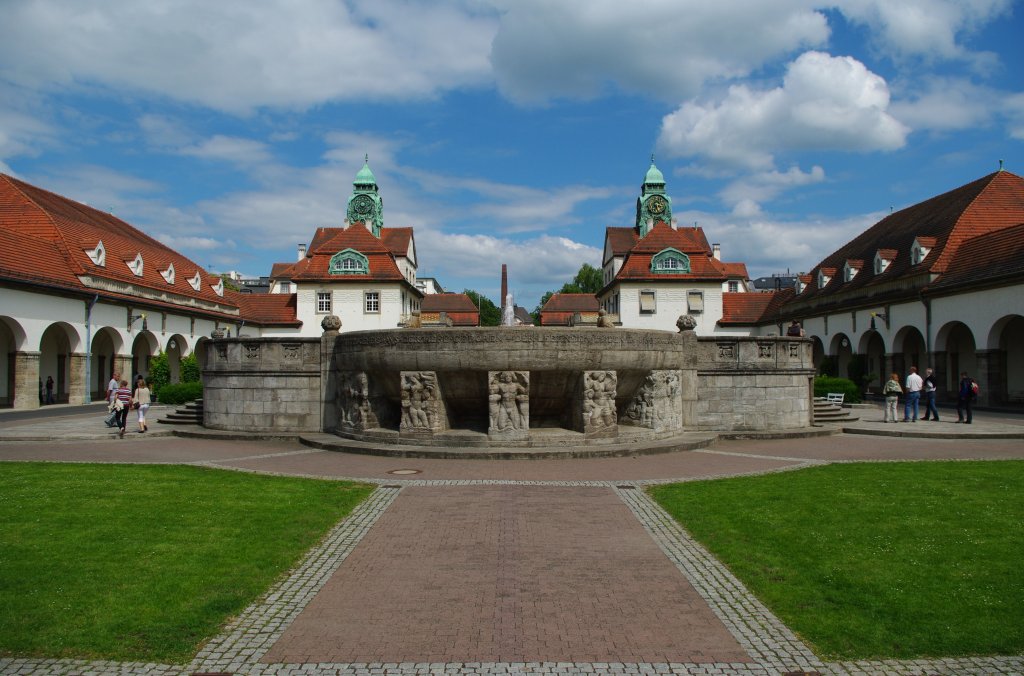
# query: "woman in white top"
x,y
142,400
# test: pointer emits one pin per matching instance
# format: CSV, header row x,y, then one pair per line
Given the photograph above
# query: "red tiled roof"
x,y
690,241
447,302
927,241
997,255
281,270
329,241
987,205
571,302
397,240
621,240
72,228
663,236
744,308
276,309
736,270
556,318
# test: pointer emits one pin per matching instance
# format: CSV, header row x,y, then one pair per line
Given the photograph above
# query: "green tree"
x,y
190,372
159,372
588,280
229,283
536,310
490,314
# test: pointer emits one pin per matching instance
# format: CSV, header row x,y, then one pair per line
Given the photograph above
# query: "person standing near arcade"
x,y
930,390
913,400
965,398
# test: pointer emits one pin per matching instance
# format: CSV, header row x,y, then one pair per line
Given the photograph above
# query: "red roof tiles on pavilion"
x,y
744,308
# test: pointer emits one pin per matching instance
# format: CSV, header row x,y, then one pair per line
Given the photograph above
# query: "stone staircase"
x,y
189,414
827,412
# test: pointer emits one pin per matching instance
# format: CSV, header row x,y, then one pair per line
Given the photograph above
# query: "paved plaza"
x,y
511,566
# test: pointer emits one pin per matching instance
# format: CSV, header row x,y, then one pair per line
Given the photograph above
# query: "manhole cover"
x,y
405,471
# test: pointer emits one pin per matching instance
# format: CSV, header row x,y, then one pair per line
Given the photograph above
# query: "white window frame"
x,y
734,286
695,302
371,302
324,302
653,296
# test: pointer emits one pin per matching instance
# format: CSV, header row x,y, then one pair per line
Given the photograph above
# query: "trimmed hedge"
x,y
179,393
827,384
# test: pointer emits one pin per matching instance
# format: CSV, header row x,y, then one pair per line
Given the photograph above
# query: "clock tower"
x,y
653,205
365,205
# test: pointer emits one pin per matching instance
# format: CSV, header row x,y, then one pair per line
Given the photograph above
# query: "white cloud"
x,y
925,28
238,55
824,103
24,130
945,104
745,193
163,131
232,149
195,243
663,48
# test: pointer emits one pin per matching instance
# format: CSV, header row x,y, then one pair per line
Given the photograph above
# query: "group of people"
x,y
916,386
121,399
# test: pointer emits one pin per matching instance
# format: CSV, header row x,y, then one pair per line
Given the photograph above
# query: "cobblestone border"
x,y
249,637
758,630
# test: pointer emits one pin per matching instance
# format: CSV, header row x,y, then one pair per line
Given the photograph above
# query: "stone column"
x,y
508,405
330,413
124,367
26,379
594,411
991,377
77,387
423,409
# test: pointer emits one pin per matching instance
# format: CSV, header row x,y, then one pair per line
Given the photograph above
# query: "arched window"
x,y
670,261
348,262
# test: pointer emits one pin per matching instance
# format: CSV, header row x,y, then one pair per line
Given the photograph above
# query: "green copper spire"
x,y
653,205
365,205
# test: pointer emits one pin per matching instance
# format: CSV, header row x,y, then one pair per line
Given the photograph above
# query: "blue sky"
x,y
508,131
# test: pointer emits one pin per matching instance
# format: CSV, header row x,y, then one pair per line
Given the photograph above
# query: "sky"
x,y
508,131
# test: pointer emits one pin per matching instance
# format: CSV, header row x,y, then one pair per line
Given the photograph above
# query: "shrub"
x,y
829,367
190,372
825,384
179,393
159,372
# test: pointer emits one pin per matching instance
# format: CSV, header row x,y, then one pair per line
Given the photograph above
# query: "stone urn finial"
x,y
686,323
217,333
604,321
331,323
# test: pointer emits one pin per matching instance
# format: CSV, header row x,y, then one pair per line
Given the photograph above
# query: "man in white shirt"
x,y
111,386
913,389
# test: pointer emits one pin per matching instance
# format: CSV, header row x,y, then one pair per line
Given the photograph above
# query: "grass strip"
x,y
131,562
874,560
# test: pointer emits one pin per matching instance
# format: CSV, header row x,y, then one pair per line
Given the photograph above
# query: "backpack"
x,y
975,390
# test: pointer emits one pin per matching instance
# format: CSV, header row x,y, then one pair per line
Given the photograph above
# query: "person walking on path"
x,y
892,391
49,389
141,400
123,396
930,390
965,398
913,401
111,419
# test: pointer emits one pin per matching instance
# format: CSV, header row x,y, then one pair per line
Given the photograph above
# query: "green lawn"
x,y
870,561
146,562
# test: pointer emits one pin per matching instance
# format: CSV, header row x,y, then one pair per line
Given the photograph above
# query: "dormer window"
x,y
135,265
98,255
801,283
348,262
670,261
196,281
851,269
920,249
825,276
218,288
883,258
168,274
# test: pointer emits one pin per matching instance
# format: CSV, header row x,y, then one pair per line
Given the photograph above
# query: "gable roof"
x,y
985,206
381,255
690,241
57,233
745,308
458,307
268,309
985,259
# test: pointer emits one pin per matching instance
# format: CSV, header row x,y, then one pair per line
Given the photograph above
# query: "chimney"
x,y
716,251
504,285
302,252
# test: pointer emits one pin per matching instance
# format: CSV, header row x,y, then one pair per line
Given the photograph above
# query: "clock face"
x,y
362,205
656,205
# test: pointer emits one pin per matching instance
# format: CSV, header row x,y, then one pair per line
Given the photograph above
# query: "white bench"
x,y
836,398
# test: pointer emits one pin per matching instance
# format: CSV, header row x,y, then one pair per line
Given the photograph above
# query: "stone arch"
x,y
144,347
1002,363
107,344
817,353
56,348
200,351
12,341
841,348
175,348
908,349
872,347
956,347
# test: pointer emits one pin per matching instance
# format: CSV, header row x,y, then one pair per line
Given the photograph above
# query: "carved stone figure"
x,y
354,397
604,321
657,403
509,403
421,402
686,323
597,403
